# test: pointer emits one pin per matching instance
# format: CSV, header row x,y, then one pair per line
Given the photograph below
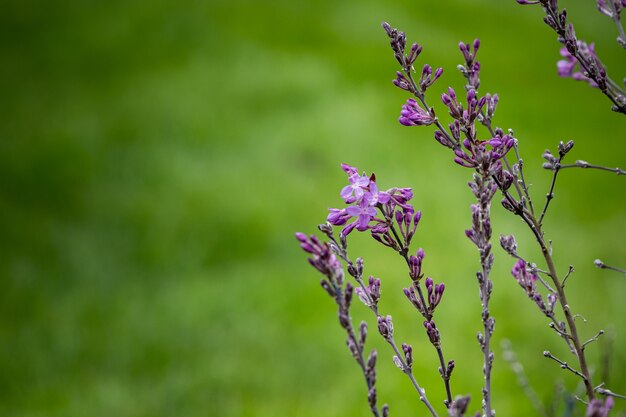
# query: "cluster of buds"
x,y
415,265
471,69
385,327
324,260
484,155
553,163
371,294
527,279
398,45
509,244
406,364
425,305
611,8
413,115
356,346
432,332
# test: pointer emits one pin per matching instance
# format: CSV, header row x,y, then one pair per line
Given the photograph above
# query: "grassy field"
x,y
156,158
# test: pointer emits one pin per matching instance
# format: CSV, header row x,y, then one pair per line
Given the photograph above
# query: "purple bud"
x,y
432,332
385,327
509,244
408,354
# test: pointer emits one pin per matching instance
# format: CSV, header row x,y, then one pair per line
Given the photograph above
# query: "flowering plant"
x,y
493,157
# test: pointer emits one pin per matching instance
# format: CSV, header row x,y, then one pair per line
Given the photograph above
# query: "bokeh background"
x,y
156,158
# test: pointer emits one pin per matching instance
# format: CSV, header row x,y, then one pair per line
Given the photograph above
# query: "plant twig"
x,y
585,164
602,265
563,364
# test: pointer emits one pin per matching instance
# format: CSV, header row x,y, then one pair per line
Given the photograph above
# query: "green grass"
x,y
157,157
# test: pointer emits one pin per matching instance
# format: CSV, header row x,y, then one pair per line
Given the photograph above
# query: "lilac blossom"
x,y
354,191
374,209
582,55
527,279
569,66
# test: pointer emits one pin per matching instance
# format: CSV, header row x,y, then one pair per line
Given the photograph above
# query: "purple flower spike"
x,y
413,115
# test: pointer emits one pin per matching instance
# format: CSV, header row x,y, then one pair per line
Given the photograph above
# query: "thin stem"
x,y
609,393
522,379
569,272
407,370
535,227
602,265
550,194
426,314
563,364
520,165
361,361
593,339
573,331
583,164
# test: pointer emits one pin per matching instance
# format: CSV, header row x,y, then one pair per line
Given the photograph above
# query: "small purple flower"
x,y
374,196
413,115
356,189
568,67
364,211
526,279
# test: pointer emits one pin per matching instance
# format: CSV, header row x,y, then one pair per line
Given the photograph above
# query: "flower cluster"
x,y
370,294
425,305
569,66
375,210
527,279
413,115
611,8
324,260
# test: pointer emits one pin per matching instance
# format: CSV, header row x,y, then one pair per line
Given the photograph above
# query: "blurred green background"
x,y
156,158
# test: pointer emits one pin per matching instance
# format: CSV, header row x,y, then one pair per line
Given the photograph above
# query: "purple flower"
x,y
413,115
356,189
374,196
364,211
525,278
568,67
